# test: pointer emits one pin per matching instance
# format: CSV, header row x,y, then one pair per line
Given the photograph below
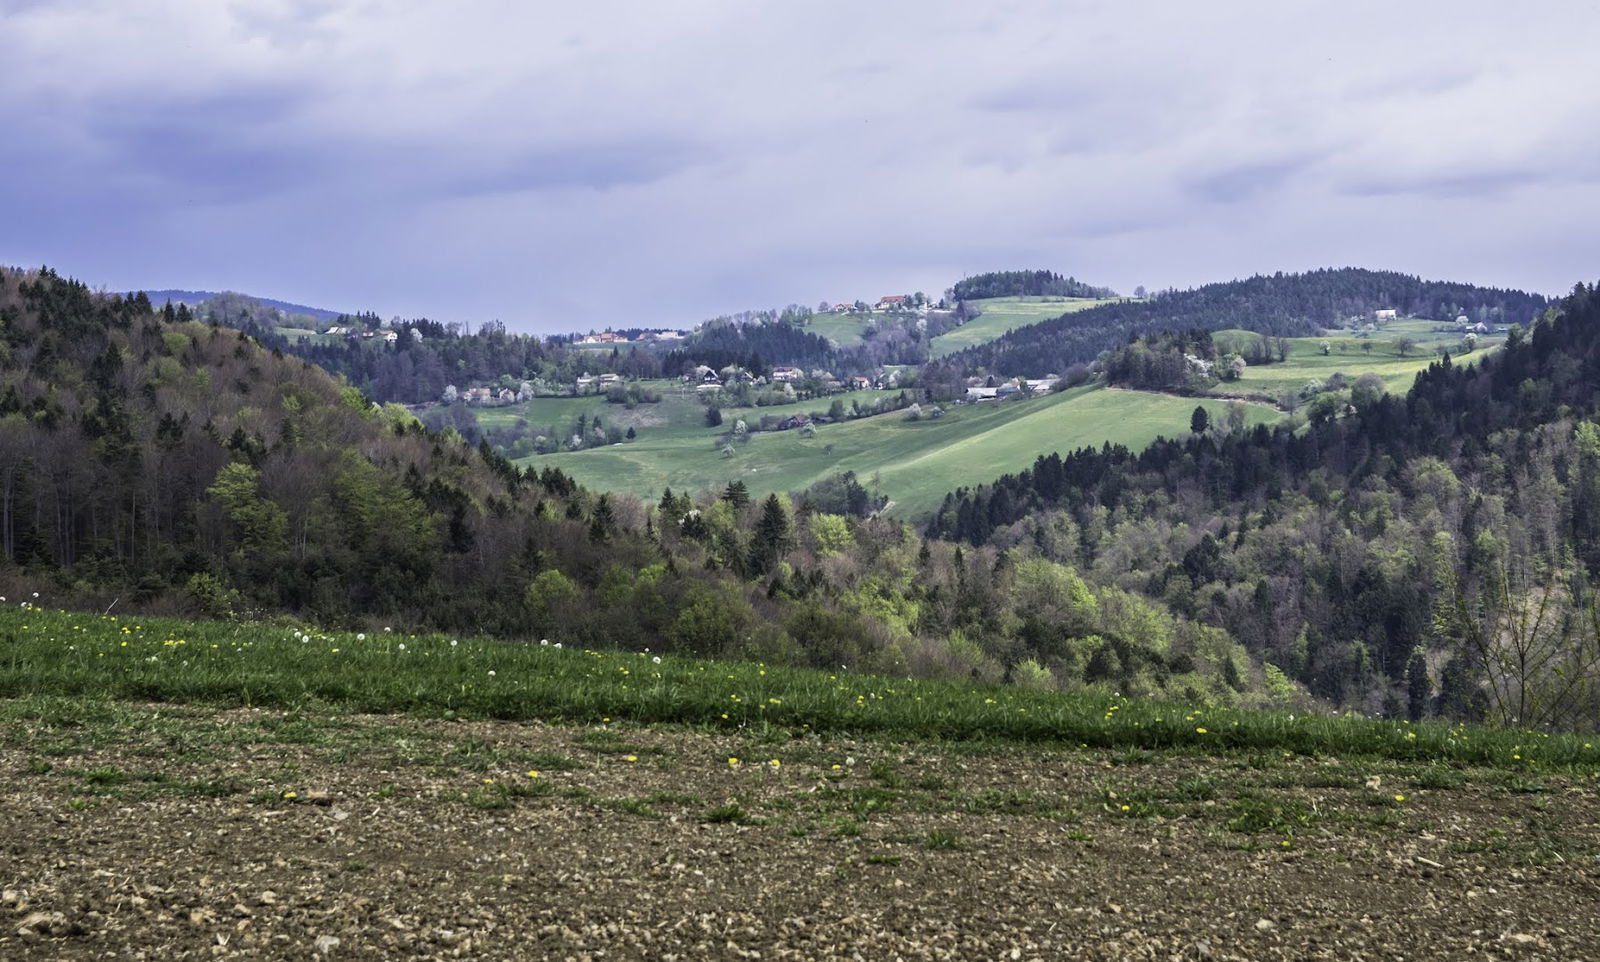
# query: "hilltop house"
x,y
891,302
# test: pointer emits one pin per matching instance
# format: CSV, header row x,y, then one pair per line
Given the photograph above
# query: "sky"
x,y
567,167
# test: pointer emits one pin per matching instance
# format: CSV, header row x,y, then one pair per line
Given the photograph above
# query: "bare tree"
x,y
1534,647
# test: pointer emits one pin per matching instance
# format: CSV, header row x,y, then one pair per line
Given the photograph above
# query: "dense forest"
x,y
1432,553
1025,284
1286,305
153,462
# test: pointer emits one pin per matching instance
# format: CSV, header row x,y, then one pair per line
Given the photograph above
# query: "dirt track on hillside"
x,y
172,838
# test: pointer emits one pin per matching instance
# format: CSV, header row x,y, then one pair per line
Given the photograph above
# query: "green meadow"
x,y
1002,314
1353,357
51,656
914,463
842,329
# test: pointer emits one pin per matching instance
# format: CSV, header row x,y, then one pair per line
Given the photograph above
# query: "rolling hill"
x,y
1288,305
197,298
913,462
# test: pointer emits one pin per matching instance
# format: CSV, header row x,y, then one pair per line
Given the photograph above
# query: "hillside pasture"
x,y
1348,355
914,463
842,329
1001,314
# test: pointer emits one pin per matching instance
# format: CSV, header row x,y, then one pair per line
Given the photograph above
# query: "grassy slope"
x,y
915,462
678,416
1348,355
842,329
75,655
1002,314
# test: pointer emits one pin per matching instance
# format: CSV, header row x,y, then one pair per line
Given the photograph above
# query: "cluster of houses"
x,y
610,337
710,381
597,383
888,302
385,334
987,389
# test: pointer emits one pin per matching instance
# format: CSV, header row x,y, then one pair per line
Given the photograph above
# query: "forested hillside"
x,y
1286,305
1025,284
1428,553
155,463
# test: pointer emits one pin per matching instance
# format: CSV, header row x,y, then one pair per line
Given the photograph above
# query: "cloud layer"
x,y
612,162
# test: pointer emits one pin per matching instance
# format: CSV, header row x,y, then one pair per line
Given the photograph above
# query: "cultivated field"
x,y
914,463
1002,314
180,790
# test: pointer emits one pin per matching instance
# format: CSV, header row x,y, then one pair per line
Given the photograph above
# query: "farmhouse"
x,y
891,302
843,308
1386,314
784,375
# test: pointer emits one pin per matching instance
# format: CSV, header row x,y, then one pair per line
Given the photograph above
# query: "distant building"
x,y
891,302
786,375
1387,314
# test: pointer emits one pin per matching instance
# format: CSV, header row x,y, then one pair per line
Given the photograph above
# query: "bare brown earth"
x,y
164,833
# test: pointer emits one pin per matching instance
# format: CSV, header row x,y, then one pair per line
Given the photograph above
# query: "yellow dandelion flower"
x,y
733,763
291,795
1399,798
533,774
632,758
1199,731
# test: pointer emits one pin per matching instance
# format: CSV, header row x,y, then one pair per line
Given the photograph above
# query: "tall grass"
x,y
56,653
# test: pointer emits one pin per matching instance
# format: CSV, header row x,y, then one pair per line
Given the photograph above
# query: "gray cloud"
x,y
557,167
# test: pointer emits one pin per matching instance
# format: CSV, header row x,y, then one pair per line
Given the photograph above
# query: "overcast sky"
x,y
567,166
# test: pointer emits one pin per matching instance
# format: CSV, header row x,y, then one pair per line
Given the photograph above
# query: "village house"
x,y
891,302
786,375
843,308
1387,314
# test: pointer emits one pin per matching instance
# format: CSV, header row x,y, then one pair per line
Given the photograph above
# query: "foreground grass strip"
x,y
73,655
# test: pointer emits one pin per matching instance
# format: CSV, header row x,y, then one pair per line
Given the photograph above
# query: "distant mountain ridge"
x,y
194,298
